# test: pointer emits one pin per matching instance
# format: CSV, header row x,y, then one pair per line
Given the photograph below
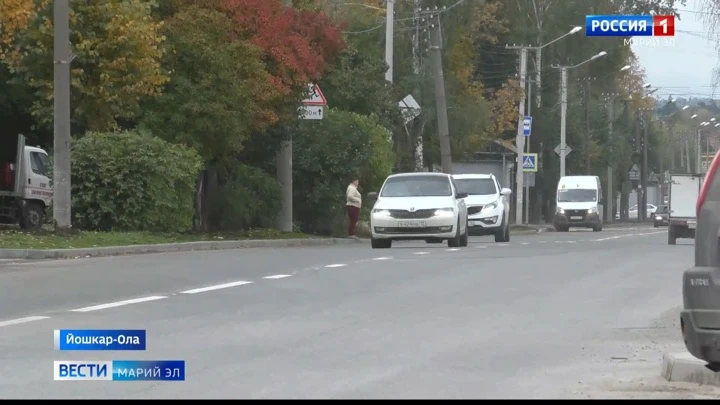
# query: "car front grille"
x,y
576,213
419,214
409,231
474,210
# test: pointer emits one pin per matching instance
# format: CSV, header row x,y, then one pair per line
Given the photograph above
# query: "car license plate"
x,y
691,225
574,218
411,224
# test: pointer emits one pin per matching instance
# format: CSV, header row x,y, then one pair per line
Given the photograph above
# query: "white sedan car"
x,y
487,204
419,206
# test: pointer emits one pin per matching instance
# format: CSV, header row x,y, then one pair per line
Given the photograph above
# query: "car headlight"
x,y
659,218
490,207
380,213
592,211
444,212
560,210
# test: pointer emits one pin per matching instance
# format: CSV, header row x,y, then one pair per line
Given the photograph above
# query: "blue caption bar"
x,y
99,339
119,370
618,26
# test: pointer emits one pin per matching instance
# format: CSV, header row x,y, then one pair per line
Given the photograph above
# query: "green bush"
x,y
247,198
132,182
327,154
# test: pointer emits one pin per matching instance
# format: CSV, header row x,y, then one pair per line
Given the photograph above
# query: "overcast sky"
x,y
685,69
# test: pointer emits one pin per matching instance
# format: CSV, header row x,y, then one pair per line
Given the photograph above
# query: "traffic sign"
x,y
558,149
315,96
527,125
529,163
634,173
311,112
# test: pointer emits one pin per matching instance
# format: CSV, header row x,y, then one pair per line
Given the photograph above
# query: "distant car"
x,y
487,205
633,211
700,317
661,216
419,206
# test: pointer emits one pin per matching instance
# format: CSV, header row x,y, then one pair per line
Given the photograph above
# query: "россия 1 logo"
x,y
642,30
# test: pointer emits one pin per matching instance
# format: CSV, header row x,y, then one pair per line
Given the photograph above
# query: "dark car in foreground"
x,y
660,218
700,318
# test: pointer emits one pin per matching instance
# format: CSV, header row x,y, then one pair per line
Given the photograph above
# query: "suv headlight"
x,y
592,210
380,213
490,207
444,212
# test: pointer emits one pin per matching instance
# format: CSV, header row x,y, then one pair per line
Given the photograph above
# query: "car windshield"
x,y
577,195
417,186
476,186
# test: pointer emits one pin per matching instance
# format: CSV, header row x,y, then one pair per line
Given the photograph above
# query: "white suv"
x,y
419,206
487,204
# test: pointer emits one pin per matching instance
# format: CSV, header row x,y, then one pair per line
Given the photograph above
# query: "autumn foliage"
x,y
297,45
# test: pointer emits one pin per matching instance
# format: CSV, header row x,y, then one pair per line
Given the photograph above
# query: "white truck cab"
x,y
25,186
579,203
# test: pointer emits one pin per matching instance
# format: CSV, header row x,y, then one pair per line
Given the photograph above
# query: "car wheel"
x,y
380,243
672,239
455,242
464,238
597,228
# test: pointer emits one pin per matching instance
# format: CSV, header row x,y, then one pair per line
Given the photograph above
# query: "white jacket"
x,y
353,196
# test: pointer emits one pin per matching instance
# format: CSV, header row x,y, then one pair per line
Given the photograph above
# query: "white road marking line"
x,y
421,253
277,276
215,287
452,250
482,247
525,243
571,241
23,320
119,303
503,244
335,265
383,258
559,241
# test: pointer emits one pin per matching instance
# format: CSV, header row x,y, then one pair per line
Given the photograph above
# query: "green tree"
x,y
218,91
117,48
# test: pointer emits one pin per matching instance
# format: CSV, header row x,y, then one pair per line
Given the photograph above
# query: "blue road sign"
x,y
529,164
527,125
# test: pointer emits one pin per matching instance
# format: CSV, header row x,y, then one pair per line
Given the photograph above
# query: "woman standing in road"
x,y
353,203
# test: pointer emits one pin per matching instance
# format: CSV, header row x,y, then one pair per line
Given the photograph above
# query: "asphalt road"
x,y
532,318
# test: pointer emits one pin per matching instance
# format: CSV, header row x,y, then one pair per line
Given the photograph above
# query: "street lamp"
x,y
563,107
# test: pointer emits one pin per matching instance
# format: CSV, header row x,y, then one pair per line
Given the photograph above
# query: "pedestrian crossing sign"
x,y
529,162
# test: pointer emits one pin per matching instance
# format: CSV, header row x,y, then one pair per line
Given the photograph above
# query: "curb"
x,y
684,367
41,254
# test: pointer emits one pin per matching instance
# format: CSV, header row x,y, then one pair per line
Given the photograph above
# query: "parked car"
x,y
633,211
487,204
661,216
419,206
700,317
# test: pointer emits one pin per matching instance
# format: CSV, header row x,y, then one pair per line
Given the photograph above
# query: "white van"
x,y
579,203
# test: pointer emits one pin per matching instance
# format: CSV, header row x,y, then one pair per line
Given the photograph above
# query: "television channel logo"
x,y
630,25
119,370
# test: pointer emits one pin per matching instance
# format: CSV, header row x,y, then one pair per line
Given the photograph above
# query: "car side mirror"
x,y
460,196
505,192
372,195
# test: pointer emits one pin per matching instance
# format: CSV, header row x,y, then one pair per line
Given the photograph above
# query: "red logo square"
x,y
663,25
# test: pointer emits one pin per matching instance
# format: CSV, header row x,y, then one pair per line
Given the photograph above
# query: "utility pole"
x,y
389,23
283,164
520,137
586,94
538,75
440,101
417,68
610,97
698,152
563,118
526,202
62,137
644,170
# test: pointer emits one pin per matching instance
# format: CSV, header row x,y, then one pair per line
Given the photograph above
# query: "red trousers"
x,y
354,216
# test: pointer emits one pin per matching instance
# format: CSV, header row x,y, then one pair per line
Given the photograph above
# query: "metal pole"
x,y
526,202
538,76
389,23
563,118
520,141
284,177
62,137
587,125
698,152
440,101
644,177
611,137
